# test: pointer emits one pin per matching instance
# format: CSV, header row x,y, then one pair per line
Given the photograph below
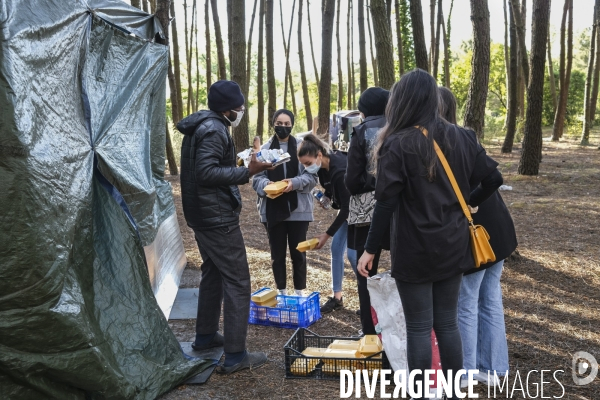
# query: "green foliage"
x,y
408,46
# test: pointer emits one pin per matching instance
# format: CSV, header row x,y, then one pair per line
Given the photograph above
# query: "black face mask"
x,y
283,131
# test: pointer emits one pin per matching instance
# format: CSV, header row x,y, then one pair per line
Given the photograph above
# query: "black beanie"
x,y
283,111
225,96
373,101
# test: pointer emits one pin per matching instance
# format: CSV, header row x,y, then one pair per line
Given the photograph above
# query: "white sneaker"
x,y
281,292
491,380
299,293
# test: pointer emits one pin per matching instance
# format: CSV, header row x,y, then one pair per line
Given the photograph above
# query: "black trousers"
x,y
432,305
281,236
225,279
364,299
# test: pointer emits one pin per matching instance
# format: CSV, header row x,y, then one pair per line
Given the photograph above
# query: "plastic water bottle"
x,y
321,198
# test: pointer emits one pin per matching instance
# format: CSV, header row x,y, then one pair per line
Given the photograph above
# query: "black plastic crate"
x,y
297,365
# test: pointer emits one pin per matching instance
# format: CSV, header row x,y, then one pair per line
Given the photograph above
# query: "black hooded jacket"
x,y
209,175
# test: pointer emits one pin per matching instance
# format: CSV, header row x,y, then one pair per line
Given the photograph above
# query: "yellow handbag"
x,y
480,239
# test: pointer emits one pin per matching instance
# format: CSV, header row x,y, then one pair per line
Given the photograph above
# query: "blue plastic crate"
x,y
291,311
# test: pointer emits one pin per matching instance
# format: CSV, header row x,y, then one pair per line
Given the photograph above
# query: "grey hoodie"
x,y
303,184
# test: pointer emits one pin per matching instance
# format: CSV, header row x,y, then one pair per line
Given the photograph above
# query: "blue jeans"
x,y
339,244
481,321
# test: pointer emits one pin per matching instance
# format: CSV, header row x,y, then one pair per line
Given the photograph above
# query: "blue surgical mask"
x,y
313,169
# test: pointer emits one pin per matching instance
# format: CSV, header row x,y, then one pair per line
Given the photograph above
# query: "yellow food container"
x,y
269,303
338,361
274,196
307,245
369,345
264,296
345,344
304,366
340,353
275,188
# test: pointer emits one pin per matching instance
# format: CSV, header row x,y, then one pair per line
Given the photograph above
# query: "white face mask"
x,y
313,169
238,119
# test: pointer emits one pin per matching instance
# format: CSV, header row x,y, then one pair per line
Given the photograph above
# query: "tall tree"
x,y
312,48
512,111
585,131
383,44
408,48
238,65
564,73
230,34
532,141
207,40
436,52
372,47
271,88
399,37
352,69
480,67
325,83
590,104
136,4
305,94
190,37
249,55
523,67
520,21
431,30
219,40
197,51
177,63
348,57
260,90
145,6
186,35
162,14
362,48
418,32
340,96
286,49
446,56
551,75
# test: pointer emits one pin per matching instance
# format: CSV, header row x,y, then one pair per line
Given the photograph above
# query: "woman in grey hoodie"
x,y
287,216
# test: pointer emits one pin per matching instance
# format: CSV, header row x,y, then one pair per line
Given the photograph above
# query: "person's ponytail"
x,y
311,146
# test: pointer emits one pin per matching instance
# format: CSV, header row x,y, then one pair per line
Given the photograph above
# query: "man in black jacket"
x,y
211,206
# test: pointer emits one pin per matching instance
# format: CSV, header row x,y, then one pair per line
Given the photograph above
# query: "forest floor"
x,y
551,290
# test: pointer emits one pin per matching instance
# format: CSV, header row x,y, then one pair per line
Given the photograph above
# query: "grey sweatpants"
x,y
225,279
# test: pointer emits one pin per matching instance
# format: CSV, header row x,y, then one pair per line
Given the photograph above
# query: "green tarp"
x,y
82,136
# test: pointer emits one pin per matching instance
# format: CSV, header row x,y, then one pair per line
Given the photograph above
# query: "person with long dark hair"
x,y
330,166
430,246
361,185
287,216
480,309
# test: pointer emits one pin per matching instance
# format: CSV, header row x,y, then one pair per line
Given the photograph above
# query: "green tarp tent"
x,y
88,232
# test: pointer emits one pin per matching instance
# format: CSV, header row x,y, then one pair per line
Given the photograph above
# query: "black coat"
x,y
333,183
494,216
358,180
209,175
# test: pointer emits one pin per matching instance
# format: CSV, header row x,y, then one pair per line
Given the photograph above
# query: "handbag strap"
x,y
448,170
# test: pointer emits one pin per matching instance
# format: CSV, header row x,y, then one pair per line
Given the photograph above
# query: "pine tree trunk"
x,y
565,73
208,49
176,62
186,35
587,123
416,17
513,104
312,48
596,78
162,14
431,31
399,38
524,69
353,72
145,6
372,47
532,142
480,66
348,40
229,35
190,92
286,49
219,40
388,5
249,55
383,44
436,53
197,49
446,56
272,90
362,47
506,60
238,65
551,75
520,20
340,97
305,94
325,83
260,91
136,4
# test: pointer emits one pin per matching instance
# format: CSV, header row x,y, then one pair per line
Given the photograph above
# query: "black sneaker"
x,y
217,341
250,361
331,305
